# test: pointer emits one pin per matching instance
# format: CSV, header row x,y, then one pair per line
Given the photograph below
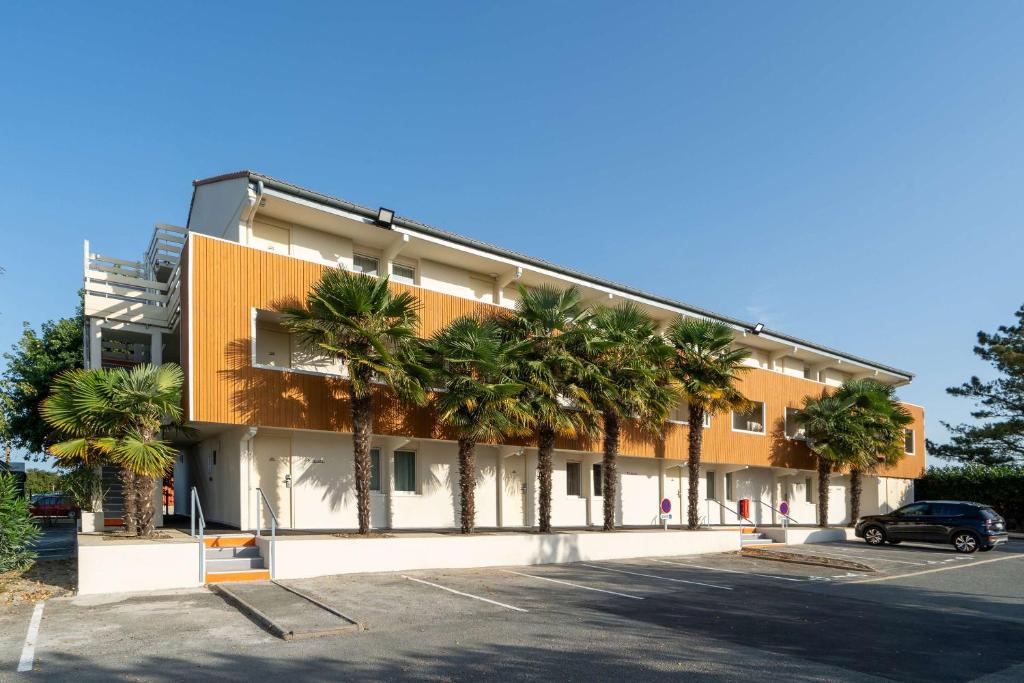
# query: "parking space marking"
x,y
737,571
468,595
655,576
574,585
937,569
854,555
28,650
909,552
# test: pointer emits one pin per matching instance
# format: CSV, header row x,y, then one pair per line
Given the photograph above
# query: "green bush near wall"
x,y
17,529
1001,486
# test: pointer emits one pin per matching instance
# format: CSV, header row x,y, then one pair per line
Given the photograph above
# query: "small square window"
x,y
573,480
367,265
750,421
405,471
598,480
908,441
403,273
375,469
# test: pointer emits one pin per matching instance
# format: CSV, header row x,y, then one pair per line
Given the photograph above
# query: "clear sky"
x,y
850,173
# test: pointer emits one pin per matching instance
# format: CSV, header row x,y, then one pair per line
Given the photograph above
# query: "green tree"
x,y
549,321
999,438
116,415
32,364
626,377
17,528
706,367
473,365
357,320
41,481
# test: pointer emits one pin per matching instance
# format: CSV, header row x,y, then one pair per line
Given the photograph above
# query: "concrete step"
x,y
229,541
234,576
234,564
217,553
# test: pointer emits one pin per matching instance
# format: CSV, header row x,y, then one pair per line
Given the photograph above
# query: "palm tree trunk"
x,y
362,423
145,489
824,472
608,467
128,502
467,483
545,446
856,484
696,442
7,452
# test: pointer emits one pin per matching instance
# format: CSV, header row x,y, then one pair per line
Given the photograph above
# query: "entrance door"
x,y
273,457
675,491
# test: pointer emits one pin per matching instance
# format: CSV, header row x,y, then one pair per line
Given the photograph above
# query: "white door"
x,y
273,457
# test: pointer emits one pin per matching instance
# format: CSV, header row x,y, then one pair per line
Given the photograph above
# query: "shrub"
x,y
17,529
1001,486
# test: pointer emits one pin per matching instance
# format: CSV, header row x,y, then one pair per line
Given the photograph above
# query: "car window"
x,y
989,513
947,510
913,509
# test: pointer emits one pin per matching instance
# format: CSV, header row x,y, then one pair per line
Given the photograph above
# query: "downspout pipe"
x,y
255,207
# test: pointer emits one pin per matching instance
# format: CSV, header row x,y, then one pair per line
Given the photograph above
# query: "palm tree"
x,y
834,435
626,358
115,415
473,366
357,320
883,420
706,367
548,320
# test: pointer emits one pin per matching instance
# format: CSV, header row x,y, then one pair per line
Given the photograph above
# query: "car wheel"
x,y
965,542
874,535
894,542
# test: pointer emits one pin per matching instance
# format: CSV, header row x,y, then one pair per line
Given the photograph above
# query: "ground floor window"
x,y
808,493
405,471
375,469
730,494
573,479
710,483
598,481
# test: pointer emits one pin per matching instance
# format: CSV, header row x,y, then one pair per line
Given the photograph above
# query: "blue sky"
x,y
850,173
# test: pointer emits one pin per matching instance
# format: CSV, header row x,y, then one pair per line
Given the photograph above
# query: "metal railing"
x,y
786,519
726,507
197,507
261,500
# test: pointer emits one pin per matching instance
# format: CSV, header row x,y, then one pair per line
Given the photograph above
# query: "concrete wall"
x,y
218,207
123,566
302,557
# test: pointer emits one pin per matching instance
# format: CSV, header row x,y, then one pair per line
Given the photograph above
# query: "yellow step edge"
x,y
748,530
229,541
249,575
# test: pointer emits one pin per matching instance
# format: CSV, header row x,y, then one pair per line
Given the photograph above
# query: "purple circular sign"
x,y
666,505
784,507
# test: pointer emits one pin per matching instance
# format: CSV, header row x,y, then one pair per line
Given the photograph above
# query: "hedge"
x,y
1001,486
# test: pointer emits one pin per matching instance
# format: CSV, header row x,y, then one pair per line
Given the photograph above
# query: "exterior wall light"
x,y
757,328
385,217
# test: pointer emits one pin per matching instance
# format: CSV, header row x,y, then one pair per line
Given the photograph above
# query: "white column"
x,y
156,348
587,476
95,344
499,486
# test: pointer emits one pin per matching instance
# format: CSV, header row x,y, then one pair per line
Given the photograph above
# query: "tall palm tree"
x,y
883,420
548,320
473,365
834,435
706,367
356,319
115,415
626,359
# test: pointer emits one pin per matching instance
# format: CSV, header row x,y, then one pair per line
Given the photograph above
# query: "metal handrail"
x,y
198,507
784,515
262,498
726,507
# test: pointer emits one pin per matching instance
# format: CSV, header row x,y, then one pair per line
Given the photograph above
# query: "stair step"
x,y
234,564
229,541
217,553
249,575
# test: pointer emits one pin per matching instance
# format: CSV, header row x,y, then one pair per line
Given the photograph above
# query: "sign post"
x,y
666,511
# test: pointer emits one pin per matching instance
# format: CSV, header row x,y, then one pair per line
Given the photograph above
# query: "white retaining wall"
x,y
123,566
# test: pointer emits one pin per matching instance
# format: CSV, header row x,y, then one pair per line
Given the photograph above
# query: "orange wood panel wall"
x,y
228,280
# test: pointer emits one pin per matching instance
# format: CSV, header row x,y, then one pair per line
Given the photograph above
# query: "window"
x,y
598,481
367,265
375,469
573,482
794,430
405,471
750,421
729,492
908,441
273,345
403,273
808,373
710,486
808,491
914,509
680,413
947,510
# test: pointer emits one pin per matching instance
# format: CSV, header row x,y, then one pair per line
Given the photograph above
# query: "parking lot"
x,y
925,614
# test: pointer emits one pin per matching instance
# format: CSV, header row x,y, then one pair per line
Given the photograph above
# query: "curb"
x,y
792,558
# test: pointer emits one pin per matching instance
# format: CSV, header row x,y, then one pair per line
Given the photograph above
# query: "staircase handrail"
x,y
198,507
261,500
726,507
785,517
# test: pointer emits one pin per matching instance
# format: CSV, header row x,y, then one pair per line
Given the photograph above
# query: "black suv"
x,y
968,526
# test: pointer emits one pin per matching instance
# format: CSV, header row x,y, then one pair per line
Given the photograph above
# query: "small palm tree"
x,y
357,320
547,320
884,422
473,365
626,379
115,415
706,367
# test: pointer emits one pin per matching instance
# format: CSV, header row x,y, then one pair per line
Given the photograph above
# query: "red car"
x,y
52,505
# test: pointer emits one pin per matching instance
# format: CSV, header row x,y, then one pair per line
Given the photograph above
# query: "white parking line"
x,y
574,585
468,595
655,576
907,552
28,650
937,569
736,571
856,556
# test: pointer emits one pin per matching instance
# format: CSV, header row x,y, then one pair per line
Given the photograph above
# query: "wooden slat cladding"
x,y
229,280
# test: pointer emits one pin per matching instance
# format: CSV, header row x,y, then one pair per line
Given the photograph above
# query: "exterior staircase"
x,y
233,558
750,537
